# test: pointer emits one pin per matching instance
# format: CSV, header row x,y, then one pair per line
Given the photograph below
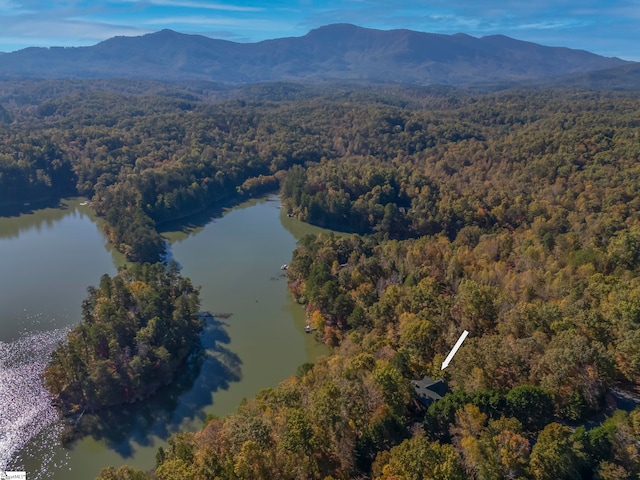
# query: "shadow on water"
x,y
299,229
213,368
11,226
17,209
195,222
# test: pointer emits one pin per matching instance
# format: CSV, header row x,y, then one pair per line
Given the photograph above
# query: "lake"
x,y
49,256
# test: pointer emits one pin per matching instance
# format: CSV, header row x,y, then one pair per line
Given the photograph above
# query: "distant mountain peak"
x,y
166,32
335,27
335,31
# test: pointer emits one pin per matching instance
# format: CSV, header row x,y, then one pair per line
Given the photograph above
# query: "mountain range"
x,y
335,52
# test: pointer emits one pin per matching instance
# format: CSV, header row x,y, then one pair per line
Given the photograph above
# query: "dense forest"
x,y
513,215
145,160
137,328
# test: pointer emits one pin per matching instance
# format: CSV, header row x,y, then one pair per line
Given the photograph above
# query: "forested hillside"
x,y
512,215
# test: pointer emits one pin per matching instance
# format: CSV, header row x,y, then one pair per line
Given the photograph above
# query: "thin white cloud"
x,y
214,22
8,7
548,25
204,5
48,32
194,20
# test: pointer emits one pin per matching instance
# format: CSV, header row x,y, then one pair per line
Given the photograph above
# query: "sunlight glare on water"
x,y
25,405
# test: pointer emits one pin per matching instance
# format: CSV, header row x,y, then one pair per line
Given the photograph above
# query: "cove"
x,y
233,254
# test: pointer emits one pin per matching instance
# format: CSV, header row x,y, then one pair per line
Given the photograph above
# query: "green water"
x,y
51,256
47,259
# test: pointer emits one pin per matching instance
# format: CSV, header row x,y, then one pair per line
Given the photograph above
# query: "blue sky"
x,y
609,28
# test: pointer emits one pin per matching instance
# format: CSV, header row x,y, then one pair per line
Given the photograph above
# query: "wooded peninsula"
x,y
137,328
512,215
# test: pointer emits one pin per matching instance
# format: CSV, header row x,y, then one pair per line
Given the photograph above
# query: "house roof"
x,y
429,390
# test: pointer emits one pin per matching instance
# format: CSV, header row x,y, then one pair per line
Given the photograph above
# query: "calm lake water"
x,y
47,259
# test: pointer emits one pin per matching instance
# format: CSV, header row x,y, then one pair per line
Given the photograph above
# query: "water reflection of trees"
x,y
212,369
15,219
192,224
